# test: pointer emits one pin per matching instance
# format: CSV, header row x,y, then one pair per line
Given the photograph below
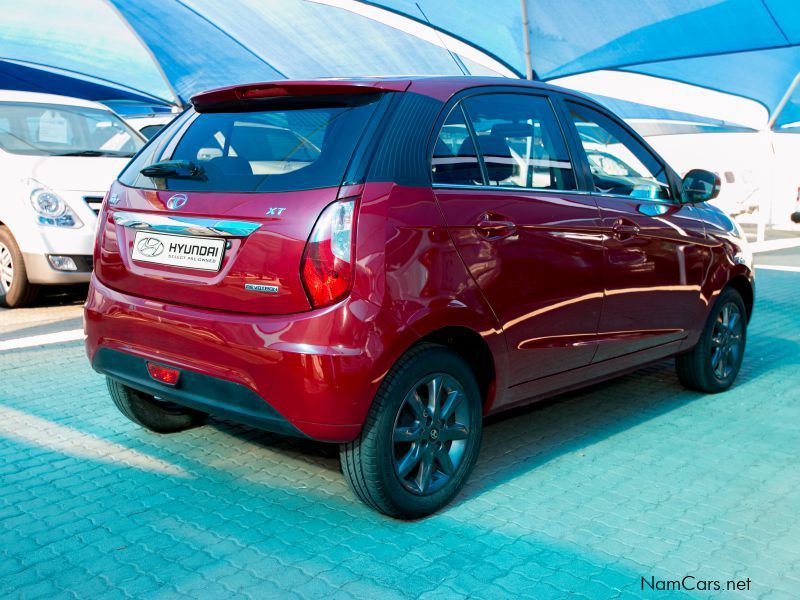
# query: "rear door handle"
x,y
492,228
624,228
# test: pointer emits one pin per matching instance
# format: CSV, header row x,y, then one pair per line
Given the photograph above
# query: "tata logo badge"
x,y
177,201
150,247
275,211
113,200
257,287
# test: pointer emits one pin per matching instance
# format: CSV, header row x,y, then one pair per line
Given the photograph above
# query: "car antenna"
x,y
459,63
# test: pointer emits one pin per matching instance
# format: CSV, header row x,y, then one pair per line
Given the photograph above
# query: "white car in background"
x,y
150,125
58,157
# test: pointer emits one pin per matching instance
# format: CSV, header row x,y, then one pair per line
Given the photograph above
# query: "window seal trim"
x,y
473,135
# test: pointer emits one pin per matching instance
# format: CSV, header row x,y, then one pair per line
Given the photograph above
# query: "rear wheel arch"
x,y
472,347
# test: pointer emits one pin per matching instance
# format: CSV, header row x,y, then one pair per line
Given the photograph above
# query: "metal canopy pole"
x,y
526,38
761,231
784,99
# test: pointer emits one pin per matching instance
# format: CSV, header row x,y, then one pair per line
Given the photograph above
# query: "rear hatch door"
x,y
217,210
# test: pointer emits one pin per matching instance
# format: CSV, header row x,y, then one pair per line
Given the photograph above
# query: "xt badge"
x,y
276,212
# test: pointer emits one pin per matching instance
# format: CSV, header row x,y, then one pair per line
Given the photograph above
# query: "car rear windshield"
x,y
289,145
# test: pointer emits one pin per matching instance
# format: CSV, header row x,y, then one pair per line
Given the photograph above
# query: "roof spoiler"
x,y
243,94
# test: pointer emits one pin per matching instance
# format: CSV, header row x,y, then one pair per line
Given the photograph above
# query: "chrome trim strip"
x,y
185,225
511,188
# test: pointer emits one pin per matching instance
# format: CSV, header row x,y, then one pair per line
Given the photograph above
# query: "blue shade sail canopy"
x,y
173,49
744,47
203,44
651,120
21,76
761,75
82,37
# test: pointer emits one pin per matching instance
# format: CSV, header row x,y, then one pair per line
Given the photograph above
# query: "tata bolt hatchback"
x,y
382,263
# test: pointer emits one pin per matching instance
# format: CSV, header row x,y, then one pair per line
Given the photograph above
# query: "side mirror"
x,y
700,185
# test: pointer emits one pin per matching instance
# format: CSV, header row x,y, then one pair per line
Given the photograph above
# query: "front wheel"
x,y
15,289
421,438
713,364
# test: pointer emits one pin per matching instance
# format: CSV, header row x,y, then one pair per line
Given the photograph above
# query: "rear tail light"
x,y
327,265
163,374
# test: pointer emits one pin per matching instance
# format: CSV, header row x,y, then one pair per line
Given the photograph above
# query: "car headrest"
x,y
229,165
513,130
441,149
444,163
452,168
496,155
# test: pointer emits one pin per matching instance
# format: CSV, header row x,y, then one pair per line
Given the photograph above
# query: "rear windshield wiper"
x,y
175,169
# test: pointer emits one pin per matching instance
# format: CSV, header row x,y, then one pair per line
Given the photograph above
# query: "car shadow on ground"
x,y
523,439
67,295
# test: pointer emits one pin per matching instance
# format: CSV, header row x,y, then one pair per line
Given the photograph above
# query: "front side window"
x,y
620,165
61,130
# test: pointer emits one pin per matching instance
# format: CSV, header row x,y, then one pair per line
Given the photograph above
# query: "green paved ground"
x,y
579,498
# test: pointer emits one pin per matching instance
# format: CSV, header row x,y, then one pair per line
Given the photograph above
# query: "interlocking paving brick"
x,y
579,497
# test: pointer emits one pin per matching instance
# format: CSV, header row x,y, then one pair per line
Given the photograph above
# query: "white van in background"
x,y
58,157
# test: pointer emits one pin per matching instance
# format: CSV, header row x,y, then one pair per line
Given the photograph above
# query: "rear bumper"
x,y
195,390
312,374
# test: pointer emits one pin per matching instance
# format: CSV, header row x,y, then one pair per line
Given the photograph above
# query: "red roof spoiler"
x,y
244,93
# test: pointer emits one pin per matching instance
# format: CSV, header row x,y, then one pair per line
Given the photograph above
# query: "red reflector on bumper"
x,y
163,374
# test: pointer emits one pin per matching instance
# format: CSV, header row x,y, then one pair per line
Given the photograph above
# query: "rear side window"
x,y
454,159
295,145
518,139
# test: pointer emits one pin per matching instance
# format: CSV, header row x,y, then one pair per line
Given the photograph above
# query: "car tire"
x,y
15,289
713,364
155,415
426,420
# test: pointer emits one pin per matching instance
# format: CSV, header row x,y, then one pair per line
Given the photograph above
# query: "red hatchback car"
x,y
381,263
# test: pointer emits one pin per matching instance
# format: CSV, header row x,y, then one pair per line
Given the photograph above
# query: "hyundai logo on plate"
x,y
150,246
177,201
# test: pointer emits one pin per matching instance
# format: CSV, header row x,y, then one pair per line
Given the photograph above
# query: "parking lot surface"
x,y
584,496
